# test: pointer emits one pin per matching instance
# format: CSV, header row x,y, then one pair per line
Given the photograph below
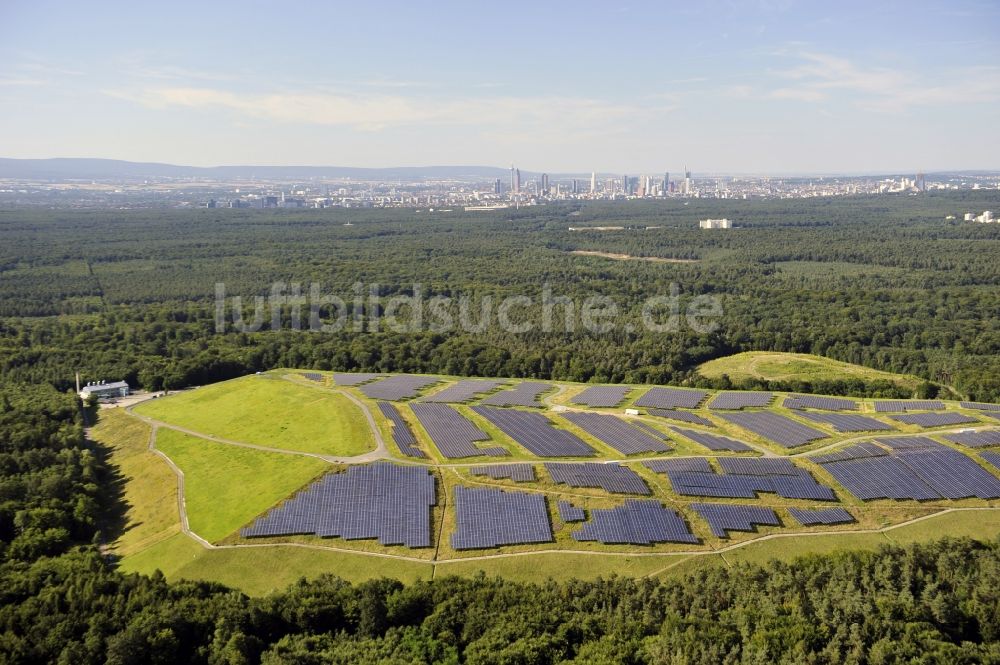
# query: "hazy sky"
x,y
770,86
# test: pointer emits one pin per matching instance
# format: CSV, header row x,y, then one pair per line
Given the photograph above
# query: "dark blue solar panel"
x,y
888,406
379,500
681,416
820,402
743,478
934,419
740,399
884,477
312,376
463,391
973,439
398,387
453,434
520,473
637,522
775,427
951,474
671,398
487,517
847,422
536,432
609,477
601,396
909,442
616,432
523,394
570,513
352,379
401,433
980,406
807,517
851,452
693,464
712,441
723,518
991,456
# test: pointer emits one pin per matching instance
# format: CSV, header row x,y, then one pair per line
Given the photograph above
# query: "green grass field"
x,y
773,366
150,487
227,486
269,411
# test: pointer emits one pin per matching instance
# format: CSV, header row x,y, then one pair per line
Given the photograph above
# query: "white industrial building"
x,y
715,224
105,390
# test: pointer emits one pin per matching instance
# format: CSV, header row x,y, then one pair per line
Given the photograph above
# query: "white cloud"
x,y
379,111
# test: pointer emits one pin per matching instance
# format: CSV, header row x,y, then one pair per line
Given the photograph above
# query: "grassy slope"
x,y
227,486
150,490
794,366
269,411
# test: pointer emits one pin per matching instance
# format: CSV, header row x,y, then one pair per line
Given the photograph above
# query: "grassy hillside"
x,y
227,486
773,366
268,411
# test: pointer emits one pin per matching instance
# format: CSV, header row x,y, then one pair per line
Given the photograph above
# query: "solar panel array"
x,y
848,422
570,513
980,406
891,405
398,387
819,402
312,376
775,427
519,473
807,517
452,433
649,429
671,398
617,433
990,437
693,464
380,500
918,468
536,432
723,518
991,456
636,522
601,396
487,517
991,415
858,451
613,478
401,433
740,399
712,441
935,419
743,478
681,416
523,394
463,391
352,378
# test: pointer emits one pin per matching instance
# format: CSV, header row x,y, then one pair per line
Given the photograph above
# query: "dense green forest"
x,y
62,602
885,282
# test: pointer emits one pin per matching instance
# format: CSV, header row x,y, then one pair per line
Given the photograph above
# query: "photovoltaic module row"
x,y
352,378
982,439
740,399
742,479
809,517
723,518
858,451
536,432
892,405
671,398
379,500
452,433
601,396
935,419
991,456
523,394
613,478
775,427
649,429
681,416
463,391
519,473
637,522
819,402
398,387
980,406
712,441
401,433
570,513
487,517
848,422
617,433
312,376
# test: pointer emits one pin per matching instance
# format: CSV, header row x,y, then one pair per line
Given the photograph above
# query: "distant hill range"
x,y
71,168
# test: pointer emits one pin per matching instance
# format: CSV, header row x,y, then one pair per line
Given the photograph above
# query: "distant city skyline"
x,y
632,88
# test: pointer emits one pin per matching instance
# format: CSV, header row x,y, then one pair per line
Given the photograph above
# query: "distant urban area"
x,y
468,188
